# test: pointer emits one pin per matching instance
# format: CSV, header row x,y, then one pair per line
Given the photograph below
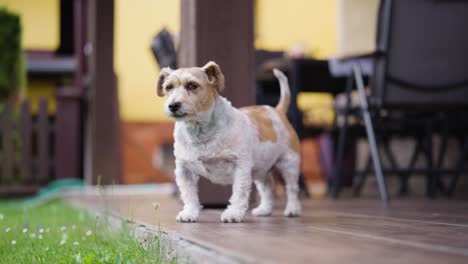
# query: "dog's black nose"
x,y
174,107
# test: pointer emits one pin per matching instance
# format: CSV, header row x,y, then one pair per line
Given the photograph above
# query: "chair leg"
x,y
404,187
303,186
391,158
336,176
370,135
460,168
431,175
440,162
393,162
361,179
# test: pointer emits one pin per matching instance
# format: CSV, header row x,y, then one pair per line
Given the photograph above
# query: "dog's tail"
x,y
285,98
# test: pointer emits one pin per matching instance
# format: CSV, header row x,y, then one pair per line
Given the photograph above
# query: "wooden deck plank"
x,y
355,231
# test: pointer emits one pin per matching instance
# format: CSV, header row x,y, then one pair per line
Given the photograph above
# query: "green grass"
x,y
57,233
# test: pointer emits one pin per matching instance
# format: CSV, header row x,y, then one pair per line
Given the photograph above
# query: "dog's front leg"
x,y
187,183
239,202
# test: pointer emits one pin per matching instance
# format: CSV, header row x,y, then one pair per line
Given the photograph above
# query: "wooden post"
x,y
221,31
7,142
68,131
43,151
79,29
104,123
69,117
26,129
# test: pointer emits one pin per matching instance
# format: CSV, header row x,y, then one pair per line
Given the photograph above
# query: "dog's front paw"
x,y
232,215
188,215
293,210
262,211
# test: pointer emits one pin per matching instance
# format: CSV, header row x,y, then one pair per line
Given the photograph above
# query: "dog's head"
x,y
190,91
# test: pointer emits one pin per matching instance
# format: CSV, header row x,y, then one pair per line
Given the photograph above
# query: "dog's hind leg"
x,y
289,168
264,188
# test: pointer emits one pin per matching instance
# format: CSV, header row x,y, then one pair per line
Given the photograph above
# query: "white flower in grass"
x,y
13,242
2,216
88,233
25,230
78,258
39,236
76,243
32,235
62,242
7,229
63,228
156,206
41,230
73,226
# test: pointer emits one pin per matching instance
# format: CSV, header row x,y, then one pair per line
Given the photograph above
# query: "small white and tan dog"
x,y
228,145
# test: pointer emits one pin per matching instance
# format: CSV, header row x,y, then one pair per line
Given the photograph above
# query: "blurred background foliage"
x,y
12,59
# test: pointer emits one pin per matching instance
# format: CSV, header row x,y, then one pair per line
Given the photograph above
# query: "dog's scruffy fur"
x,y
228,145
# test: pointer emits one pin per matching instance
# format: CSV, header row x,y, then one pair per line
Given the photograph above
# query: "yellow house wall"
x,y
135,25
41,89
39,20
279,25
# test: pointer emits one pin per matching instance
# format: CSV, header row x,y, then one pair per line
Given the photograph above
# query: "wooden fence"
x,y
26,148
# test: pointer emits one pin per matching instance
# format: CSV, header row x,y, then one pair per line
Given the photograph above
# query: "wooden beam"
x,y
68,134
220,31
69,117
104,123
43,143
7,134
79,28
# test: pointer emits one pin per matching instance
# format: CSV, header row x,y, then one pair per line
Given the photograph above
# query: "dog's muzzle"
x,y
174,108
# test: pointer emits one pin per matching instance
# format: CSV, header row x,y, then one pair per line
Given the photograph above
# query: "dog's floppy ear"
x,y
162,75
215,76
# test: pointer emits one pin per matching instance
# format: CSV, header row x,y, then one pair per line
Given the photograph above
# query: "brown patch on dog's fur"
x,y
162,75
262,120
200,99
206,99
294,142
215,75
205,104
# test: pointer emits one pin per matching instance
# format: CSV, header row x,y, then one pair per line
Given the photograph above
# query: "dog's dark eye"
x,y
169,87
192,86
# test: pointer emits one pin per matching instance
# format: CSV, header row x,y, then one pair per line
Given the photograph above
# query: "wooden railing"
x,y
26,150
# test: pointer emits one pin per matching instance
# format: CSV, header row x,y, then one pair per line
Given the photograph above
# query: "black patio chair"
x,y
419,84
164,50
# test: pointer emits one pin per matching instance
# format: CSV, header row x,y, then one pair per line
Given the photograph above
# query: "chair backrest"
x,y
164,49
423,47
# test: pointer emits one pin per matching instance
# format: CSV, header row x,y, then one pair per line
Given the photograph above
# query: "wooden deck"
x,y
344,231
